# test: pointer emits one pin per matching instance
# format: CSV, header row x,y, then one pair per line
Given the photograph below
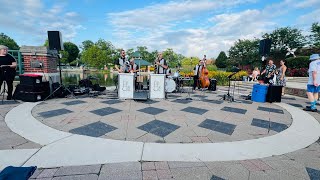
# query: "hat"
x,y
314,57
3,47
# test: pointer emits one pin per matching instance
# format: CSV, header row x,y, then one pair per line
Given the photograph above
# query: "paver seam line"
x,y
31,156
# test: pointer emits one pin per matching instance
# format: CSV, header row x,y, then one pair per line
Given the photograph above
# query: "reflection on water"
x,y
103,79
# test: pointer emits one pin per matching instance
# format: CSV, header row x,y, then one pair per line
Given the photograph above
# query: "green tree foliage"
x,y
130,52
221,61
244,52
99,54
315,37
143,50
172,58
86,44
65,56
46,43
73,51
7,41
188,63
282,38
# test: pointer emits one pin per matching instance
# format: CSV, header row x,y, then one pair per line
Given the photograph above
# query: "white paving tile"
x,y
21,121
83,150
15,157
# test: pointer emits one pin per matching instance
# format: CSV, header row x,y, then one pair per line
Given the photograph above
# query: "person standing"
x,y
313,87
281,80
8,69
197,73
161,65
122,63
269,71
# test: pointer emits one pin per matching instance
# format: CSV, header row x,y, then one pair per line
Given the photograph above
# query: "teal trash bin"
x,y
259,93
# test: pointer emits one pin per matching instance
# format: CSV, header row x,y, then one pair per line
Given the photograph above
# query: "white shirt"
x,y
314,66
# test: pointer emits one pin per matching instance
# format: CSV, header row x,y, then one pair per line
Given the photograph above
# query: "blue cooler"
x,y
259,93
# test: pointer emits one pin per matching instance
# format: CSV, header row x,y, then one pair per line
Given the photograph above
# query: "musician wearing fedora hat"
x,y
313,87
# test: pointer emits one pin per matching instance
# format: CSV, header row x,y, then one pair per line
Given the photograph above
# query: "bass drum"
x,y
176,74
169,85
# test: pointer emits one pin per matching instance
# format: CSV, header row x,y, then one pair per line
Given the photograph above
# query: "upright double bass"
x,y
204,79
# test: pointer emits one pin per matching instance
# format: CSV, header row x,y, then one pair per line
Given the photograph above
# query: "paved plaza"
x,y
203,138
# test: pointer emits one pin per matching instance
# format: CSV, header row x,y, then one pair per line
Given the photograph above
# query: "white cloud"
x,y
30,20
155,27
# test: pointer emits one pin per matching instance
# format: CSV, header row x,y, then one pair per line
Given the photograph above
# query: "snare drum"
x,y
169,85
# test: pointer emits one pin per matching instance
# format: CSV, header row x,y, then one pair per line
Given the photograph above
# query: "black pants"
x,y
195,82
9,81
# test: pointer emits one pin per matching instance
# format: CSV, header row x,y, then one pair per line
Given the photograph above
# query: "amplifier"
x,y
30,79
274,93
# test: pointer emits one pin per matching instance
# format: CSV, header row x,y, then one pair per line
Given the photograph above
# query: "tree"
x,y
86,44
315,37
143,50
221,61
7,41
130,52
73,51
282,38
98,54
172,58
244,52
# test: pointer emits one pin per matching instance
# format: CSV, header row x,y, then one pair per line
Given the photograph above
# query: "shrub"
x,y
298,62
299,72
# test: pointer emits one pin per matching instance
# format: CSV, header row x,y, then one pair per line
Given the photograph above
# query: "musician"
x,y
269,71
204,59
122,63
161,65
8,69
169,71
197,73
134,68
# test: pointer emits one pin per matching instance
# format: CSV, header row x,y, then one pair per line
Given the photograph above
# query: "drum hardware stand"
x,y
61,84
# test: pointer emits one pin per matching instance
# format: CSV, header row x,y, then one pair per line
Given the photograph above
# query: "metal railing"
x,y
19,58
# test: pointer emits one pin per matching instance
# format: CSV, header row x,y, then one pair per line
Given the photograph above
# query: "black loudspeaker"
x,y
264,47
274,93
55,40
213,85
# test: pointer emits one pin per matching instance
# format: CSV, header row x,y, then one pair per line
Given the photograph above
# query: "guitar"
x,y
271,74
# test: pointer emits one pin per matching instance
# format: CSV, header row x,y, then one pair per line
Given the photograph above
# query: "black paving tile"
x,y
53,113
296,105
234,110
75,102
105,111
182,101
194,110
159,128
278,127
279,111
95,129
216,178
218,126
112,101
152,110
314,174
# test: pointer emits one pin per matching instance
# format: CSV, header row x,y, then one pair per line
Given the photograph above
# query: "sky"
x,y
192,28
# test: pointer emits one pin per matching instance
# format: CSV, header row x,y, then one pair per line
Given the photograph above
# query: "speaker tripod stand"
x,y
61,85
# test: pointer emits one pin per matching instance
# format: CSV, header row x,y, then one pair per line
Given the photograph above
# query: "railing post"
x,y
20,62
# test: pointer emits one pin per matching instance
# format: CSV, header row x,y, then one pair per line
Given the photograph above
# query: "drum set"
x,y
175,83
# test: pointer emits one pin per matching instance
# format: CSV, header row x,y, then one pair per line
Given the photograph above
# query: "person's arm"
x,y
164,65
283,72
116,65
314,76
264,71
